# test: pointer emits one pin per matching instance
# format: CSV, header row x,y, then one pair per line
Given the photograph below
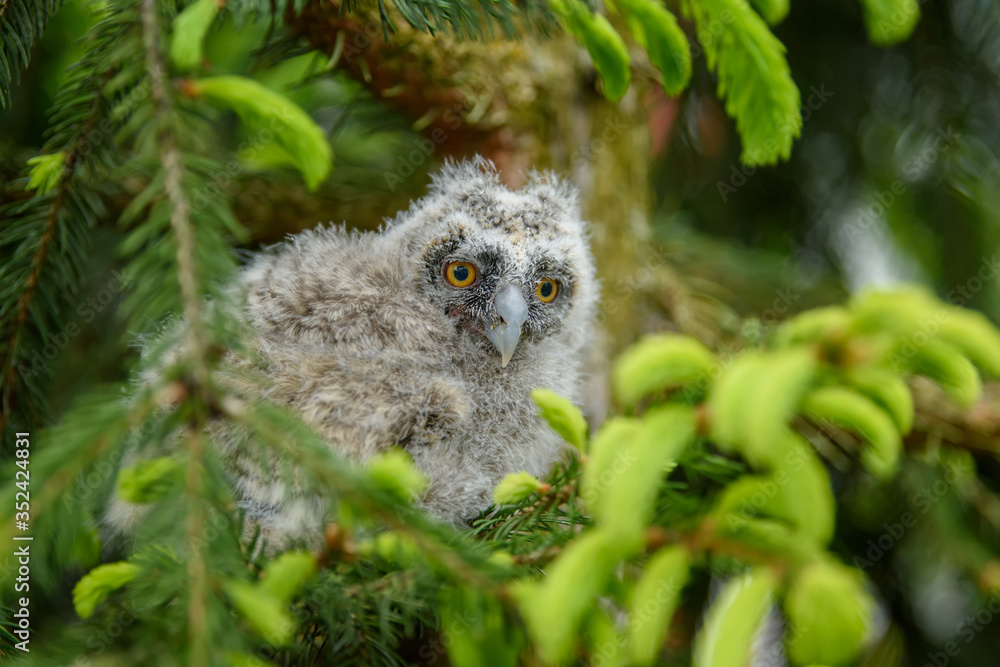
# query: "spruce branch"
x,y
45,241
92,428
754,78
180,207
196,568
22,23
463,18
309,453
196,343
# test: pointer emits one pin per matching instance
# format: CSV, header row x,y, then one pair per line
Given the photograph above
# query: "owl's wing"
x,y
352,344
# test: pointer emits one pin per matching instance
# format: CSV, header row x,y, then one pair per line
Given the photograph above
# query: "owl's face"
x,y
489,286
511,270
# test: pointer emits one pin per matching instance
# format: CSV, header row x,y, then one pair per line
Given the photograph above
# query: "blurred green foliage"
x,y
803,463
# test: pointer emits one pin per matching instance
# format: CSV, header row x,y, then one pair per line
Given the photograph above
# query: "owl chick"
x,y
428,335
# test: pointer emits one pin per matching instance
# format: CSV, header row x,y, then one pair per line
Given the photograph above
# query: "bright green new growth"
x,y
603,43
395,472
188,35
492,643
813,325
515,488
773,11
658,363
265,612
890,21
973,335
95,586
606,519
623,515
771,405
285,576
624,505
392,547
653,601
888,390
606,450
729,401
46,170
931,338
555,607
754,78
657,31
948,367
794,490
564,417
264,604
265,110
807,497
830,614
845,408
733,620
148,481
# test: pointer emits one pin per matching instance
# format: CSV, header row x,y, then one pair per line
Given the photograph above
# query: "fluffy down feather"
x,y
362,336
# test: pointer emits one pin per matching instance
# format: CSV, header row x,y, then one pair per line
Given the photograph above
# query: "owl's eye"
x,y
460,274
547,290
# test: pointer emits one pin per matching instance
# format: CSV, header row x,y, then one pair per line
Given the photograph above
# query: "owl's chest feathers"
x,y
369,361
457,401
503,424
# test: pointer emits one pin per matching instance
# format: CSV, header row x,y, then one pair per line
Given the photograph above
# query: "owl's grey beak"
x,y
513,310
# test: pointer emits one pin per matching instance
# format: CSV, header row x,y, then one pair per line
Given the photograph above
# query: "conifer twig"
x,y
187,276
180,219
42,253
59,484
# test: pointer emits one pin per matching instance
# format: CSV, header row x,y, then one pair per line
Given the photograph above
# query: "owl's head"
x,y
511,269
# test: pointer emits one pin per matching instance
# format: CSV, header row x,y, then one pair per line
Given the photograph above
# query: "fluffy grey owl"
x,y
429,335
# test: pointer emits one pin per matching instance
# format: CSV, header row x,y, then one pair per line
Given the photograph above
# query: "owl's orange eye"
x,y
547,290
460,274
